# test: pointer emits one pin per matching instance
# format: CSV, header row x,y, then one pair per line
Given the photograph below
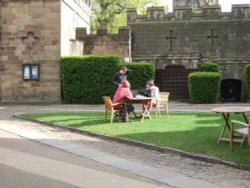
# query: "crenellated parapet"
x,y
241,11
156,13
103,42
187,13
81,33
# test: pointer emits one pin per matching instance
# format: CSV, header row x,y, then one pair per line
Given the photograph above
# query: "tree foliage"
x,y
111,14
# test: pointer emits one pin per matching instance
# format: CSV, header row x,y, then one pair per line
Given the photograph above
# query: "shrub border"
x,y
246,82
208,65
192,81
203,158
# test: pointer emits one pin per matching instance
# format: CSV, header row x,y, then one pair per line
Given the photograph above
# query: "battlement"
x,y
81,33
241,11
103,43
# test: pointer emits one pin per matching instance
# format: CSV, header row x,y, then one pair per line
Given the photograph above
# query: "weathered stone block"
x,y
81,33
183,13
155,13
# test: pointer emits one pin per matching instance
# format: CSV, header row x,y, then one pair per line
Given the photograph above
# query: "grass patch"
x,y
191,132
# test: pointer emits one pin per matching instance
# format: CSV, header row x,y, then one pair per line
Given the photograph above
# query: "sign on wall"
x,y
31,72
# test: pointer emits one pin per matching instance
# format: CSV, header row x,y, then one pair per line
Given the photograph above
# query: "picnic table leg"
x,y
126,111
245,118
146,113
226,125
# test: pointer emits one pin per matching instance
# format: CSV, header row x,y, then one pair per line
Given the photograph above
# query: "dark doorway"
x,y
230,90
174,79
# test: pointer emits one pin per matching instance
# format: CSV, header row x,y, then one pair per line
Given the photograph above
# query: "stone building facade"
x,y
37,32
74,14
187,39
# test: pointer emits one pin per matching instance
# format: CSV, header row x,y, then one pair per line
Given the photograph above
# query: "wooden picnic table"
x,y
226,113
143,101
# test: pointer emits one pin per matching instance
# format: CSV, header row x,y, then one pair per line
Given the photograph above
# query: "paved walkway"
x,y
169,169
26,164
8,110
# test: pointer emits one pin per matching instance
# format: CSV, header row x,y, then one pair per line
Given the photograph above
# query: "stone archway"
x,y
174,79
172,73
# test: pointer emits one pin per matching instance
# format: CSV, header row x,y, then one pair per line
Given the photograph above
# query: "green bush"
x,y
204,87
247,79
141,73
87,79
210,67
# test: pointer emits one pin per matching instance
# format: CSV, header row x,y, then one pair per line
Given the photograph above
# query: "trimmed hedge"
x,y
204,87
210,67
142,72
247,79
87,79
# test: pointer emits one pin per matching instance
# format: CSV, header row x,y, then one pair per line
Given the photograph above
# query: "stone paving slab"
x,y
130,166
109,159
73,148
137,168
186,182
85,152
157,174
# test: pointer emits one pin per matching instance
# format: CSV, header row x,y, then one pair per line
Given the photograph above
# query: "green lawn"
x,y
192,132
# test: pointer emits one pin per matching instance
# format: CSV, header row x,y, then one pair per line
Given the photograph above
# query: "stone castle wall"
x,y
103,43
187,38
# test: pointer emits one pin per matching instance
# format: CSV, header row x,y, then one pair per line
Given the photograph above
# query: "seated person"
x,y
122,93
154,94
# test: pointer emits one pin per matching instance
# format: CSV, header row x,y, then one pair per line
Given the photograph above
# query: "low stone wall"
x,y
104,43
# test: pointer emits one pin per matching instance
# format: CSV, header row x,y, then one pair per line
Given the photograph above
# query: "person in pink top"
x,y
122,93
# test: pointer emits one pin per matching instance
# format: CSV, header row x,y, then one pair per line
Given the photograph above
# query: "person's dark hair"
x,y
126,70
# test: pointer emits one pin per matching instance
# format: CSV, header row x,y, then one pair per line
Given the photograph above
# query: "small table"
x,y
226,112
145,101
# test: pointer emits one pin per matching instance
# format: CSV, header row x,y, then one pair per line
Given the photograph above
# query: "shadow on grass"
x,y
217,119
200,140
196,133
85,123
